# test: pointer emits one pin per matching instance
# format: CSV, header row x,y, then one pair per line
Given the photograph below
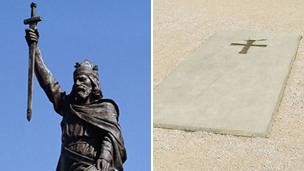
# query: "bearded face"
x,y
82,88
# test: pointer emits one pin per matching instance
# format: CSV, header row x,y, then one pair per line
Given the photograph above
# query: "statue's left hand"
x,y
102,165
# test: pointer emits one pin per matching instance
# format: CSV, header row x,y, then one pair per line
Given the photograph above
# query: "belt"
x,y
83,148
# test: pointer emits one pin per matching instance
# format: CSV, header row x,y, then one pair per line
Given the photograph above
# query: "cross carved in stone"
x,y
248,44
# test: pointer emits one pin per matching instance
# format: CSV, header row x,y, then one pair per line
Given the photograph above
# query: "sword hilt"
x,y
33,9
34,19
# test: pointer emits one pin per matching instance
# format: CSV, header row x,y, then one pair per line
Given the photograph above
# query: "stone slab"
x,y
224,88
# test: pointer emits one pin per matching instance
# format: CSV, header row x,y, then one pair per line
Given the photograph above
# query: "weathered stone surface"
x,y
227,89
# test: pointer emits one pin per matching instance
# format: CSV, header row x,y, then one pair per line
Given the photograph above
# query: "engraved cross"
x,y
248,44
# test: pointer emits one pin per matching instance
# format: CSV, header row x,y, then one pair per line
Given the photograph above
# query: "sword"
x,y
32,22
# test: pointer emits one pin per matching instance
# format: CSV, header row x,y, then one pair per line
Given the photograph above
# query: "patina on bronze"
x,y
248,44
91,134
32,22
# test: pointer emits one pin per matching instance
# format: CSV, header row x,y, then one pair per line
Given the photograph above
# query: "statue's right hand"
x,y
102,165
31,35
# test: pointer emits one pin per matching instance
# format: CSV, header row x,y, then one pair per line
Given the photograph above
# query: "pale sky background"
x,y
113,34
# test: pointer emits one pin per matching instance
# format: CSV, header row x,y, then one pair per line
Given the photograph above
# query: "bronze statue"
x,y
91,135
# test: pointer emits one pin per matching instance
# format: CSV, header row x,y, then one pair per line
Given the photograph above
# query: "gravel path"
x,y
180,26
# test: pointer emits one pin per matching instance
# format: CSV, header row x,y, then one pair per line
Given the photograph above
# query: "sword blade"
x,y
30,80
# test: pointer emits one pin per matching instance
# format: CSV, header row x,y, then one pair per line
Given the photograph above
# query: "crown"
x,y
86,67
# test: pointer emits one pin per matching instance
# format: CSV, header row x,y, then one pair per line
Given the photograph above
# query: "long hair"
x,y
96,93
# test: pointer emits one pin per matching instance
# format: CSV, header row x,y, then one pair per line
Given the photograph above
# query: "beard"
x,y
81,93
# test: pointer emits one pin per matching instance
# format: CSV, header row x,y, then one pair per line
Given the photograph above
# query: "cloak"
x,y
103,115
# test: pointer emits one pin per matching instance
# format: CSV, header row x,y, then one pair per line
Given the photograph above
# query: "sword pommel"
x,y
33,5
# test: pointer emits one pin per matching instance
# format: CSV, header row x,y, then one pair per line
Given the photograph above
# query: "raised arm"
x,y
45,78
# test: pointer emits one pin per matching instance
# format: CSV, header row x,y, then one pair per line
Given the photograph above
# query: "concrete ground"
x,y
180,26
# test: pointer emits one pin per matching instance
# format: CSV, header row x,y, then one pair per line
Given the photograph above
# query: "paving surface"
x,y
229,89
181,26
